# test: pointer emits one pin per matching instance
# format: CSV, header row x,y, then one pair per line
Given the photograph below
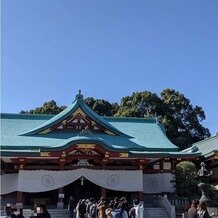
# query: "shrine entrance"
x,y
47,198
82,189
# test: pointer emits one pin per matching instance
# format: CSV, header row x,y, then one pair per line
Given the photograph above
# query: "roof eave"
x,y
164,154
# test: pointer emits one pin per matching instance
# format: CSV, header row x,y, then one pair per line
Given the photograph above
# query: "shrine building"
x,y
80,153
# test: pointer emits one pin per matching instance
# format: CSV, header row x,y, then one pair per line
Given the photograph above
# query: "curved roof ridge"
x,y
132,119
190,149
205,140
81,139
137,118
24,116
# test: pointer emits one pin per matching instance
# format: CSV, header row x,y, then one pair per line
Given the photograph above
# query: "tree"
x,y
186,182
140,104
49,107
102,107
180,118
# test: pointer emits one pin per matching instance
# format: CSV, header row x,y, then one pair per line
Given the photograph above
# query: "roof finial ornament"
x,y
79,96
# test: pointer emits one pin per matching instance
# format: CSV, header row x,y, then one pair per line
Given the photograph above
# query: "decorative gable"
x,y
78,117
78,122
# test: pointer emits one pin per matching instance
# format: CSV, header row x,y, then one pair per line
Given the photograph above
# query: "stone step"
x,y
156,212
64,213
55,213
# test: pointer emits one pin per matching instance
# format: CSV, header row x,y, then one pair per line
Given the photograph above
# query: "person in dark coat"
x,y
82,209
72,206
43,213
20,215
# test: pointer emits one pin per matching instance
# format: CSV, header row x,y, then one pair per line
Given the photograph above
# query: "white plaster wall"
x,y
157,183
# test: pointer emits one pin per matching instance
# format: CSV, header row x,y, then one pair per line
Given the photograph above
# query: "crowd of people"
x,y
197,209
116,208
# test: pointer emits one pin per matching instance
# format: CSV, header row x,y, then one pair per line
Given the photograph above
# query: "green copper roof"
x,y
138,136
207,147
143,130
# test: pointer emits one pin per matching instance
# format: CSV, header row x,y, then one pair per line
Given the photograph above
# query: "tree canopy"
x,y
102,107
140,104
182,120
186,182
49,107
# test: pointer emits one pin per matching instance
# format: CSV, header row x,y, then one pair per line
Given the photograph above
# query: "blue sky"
x,y
108,49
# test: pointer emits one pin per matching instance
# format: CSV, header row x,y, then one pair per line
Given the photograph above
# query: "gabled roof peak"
x,y
64,120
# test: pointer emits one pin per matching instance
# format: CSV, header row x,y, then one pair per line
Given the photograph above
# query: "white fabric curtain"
x,y
46,180
157,183
129,181
9,183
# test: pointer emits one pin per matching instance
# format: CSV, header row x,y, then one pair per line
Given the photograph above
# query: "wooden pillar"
x,y
62,160
173,164
19,197
141,166
141,196
61,190
161,166
103,192
21,162
103,166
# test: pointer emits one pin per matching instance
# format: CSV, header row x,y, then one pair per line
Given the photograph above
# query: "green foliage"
x,y
186,182
49,107
181,120
102,107
140,104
